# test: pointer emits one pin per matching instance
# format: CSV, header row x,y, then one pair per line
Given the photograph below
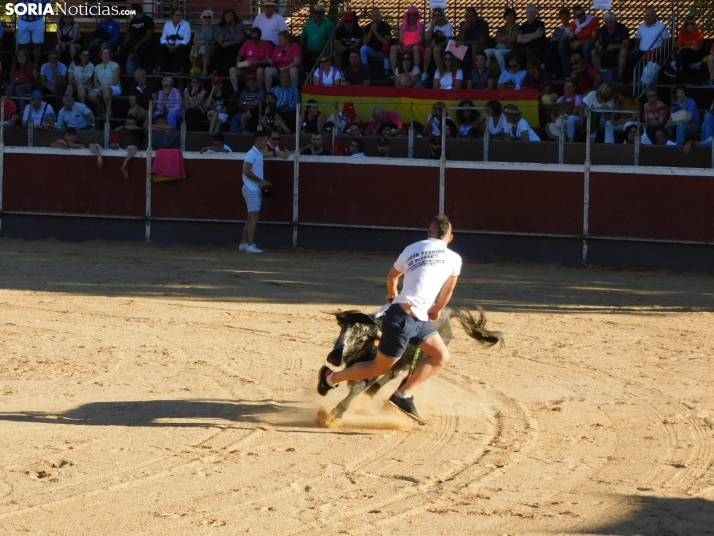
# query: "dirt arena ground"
x,y
171,390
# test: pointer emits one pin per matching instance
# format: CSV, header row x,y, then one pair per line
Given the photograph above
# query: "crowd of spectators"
x,y
246,80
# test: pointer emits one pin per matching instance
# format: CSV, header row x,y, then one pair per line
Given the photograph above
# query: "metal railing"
x,y
647,70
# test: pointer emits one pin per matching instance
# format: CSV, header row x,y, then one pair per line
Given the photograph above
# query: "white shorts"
x,y
222,117
254,199
30,32
116,90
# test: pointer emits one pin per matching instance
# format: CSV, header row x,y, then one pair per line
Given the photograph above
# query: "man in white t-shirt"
x,y
430,269
650,35
270,22
253,184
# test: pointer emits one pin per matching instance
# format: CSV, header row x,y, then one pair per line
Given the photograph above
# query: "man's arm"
x,y
95,151
248,172
447,290
392,281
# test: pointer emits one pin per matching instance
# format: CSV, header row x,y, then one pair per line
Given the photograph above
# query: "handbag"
x,y
679,116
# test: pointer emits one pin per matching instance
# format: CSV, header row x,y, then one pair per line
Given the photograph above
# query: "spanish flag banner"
x,y
400,100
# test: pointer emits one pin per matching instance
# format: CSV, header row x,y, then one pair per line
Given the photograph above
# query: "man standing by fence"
x,y
253,184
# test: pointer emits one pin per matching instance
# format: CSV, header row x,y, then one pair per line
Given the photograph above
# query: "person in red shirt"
x,y
690,49
579,40
253,58
584,77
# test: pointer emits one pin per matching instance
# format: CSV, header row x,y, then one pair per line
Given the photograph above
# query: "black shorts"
x,y
399,328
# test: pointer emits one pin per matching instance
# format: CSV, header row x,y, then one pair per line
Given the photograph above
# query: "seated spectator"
x,y
518,128
326,74
169,102
389,130
541,82
357,73
568,104
411,38
252,59
379,116
552,57
433,122
689,121
354,131
345,119
435,151
631,134
68,36
272,120
407,75
131,125
468,118
496,120
585,77
106,35
450,77
204,43
23,77
708,123
274,146
106,83
662,138
438,33
655,113
69,141
315,35
194,103
612,43
356,148
690,49
50,122
531,35
650,36
348,39
174,40
451,131
114,145
473,33
482,77
218,145
230,37
140,94
620,122
80,76
13,119
710,66
602,98
580,40
36,111
215,103
383,147
313,120
53,76
505,40
706,142
288,97
513,77
376,40
163,135
270,22
138,39
287,57
316,146
74,114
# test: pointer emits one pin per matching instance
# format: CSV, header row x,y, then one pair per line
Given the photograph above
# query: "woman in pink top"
x,y
411,38
287,56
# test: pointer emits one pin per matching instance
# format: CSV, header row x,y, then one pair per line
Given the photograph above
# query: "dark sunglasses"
x,y
206,18
275,139
689,24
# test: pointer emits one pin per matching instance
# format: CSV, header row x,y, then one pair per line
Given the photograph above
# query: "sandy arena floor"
x,y
171,390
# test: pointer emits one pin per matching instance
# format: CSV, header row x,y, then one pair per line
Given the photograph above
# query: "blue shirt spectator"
x,y
40,9
74,114
514,76
690,106
113,28
49,75
288,97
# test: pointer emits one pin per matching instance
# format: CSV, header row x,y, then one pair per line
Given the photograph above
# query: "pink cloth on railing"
x,y
168,165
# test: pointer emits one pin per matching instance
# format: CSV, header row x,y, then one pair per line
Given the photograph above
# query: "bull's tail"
x,y
476,327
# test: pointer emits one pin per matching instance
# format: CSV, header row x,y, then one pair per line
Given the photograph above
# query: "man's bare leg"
x,y
365,369
251,223
437,357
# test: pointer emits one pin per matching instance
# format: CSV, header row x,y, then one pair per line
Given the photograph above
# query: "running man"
x,y
253,184
429,269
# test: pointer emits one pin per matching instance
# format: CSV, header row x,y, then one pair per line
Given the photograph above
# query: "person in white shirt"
x,y
357,149
603,98
38,110
430,269
437,36
253,185
174,40
650,35
218,145
270,22
518,128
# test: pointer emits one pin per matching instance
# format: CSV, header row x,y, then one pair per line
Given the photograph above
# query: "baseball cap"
x,y
269,3
348,108
382,142
251,77
115,137
348,16
217,80
37,94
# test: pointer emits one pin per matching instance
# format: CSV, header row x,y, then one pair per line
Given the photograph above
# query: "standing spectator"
x,y
326,74
407,75
505,40
231,34
620,122
468,118
584,77
31,29
288,96
287,57
411,37
23,77
438,33
114,145
542,82
377,35
580,41
53,76
74,114
519,129
690,49
685,106
194,103
316,147
612,43
655,113
450,77
315,35
37,111
138,38
174,40
357,73
169,102
531,35
106,83
348,39
217,110
256,52
473,33
379,116
552,57
68,36
253,185
204,43
356,148
513,77
69,141
270,22
106,34
218,145
80,76
313,120
650,36
140,94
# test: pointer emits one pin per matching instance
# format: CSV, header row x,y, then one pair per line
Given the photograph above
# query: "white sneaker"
x,y
253,249
243,247
424,77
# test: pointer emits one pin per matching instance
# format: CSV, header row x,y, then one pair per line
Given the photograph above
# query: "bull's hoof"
x,y
325,418
373,390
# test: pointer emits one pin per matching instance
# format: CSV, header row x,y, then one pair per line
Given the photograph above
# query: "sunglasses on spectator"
x,y
689,24
206,18
406,58
275,139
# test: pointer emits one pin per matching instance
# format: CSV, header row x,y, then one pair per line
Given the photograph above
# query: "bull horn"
x,y
337,312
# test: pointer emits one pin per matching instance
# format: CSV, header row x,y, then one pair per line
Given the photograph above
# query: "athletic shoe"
x,y
243,247
406,405
671,73
253,249
424,77
322,386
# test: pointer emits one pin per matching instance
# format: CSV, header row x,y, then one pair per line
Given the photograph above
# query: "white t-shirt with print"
x,y
447,30
447,81
590,101
255,157
426,266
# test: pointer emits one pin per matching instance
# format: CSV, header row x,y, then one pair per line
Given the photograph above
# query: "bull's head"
x,y
357,338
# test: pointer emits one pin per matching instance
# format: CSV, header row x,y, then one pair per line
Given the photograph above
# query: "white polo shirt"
x,y
255,157
648,36
270,26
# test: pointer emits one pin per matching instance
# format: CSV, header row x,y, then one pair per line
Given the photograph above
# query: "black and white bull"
x,y
359,338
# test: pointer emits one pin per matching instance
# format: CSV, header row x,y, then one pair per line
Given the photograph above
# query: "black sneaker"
x,y
406,405
322,386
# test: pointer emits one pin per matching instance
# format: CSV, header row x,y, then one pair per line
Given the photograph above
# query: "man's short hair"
x,y
259,134
317,134
159,116
360,144
383,142
441,226
577,7
139,71
71,130
218,136
471,10
137,8
256,30
609,15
